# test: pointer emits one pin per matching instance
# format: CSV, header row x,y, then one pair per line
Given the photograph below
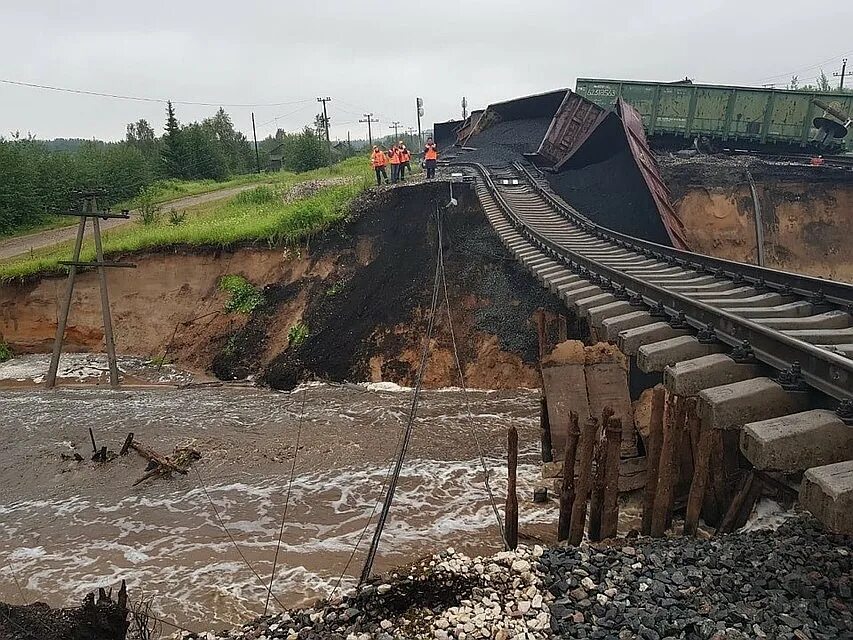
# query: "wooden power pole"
x,y
368,118
326,124
90,210
842,74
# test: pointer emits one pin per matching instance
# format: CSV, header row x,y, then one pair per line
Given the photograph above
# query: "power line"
x,y
283,115
117,96
808,68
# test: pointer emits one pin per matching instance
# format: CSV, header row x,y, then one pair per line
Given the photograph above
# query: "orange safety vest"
x,y
378,159
406,155
395,157
430,152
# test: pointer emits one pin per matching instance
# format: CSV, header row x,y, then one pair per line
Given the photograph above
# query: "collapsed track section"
x,y
798,325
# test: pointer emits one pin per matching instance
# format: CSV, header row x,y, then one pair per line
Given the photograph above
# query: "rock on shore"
x,y
446,596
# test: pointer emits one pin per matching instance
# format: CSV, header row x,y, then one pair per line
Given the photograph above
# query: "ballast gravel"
x,y
790,584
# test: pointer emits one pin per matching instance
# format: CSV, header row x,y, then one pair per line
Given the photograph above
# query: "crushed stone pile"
x,y
446,596
793,583
308,188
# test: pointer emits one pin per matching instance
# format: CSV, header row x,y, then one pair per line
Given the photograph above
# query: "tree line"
x,y
39,177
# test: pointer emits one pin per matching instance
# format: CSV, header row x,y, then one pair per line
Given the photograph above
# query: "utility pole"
x,y
90,211
395,126
420,105
368,118
842,74
464,108
326,123
255,136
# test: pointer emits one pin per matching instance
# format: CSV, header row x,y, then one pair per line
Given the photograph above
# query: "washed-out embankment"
x,y
806,212
359,294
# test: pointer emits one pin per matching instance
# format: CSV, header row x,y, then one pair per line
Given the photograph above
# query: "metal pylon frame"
x,y
90,210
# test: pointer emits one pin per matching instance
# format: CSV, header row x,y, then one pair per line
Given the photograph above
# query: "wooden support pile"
x,y
696,463
511,507
597,453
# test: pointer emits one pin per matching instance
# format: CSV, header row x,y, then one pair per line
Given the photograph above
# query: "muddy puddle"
x,y
68,527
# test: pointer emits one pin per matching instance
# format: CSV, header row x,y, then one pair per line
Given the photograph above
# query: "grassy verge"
x,y
258,214
162,192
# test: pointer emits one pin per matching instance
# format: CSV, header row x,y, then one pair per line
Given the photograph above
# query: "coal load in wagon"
x,y
507,130
602,181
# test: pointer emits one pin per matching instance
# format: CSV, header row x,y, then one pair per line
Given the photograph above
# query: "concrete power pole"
x,y
368,118
842,74
326,123
395,126
420,104
255,136
464,108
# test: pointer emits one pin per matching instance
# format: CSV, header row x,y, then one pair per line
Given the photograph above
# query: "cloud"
x,y
378,56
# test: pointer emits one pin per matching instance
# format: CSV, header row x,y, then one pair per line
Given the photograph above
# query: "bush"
x,y
176,217
256,196
244,296
298,334
149,210
5,352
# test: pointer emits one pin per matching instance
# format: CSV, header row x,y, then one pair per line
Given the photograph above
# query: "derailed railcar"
x,y
741,117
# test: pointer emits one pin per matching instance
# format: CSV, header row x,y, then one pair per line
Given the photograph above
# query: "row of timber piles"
x,y
672,451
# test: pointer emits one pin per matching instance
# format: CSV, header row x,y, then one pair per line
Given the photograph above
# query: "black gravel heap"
x,y
793,583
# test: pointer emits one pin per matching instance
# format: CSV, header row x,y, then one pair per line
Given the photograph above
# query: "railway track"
x,y
642,295
762,358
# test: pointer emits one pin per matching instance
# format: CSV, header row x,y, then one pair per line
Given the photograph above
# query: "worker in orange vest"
x,y
430,158
378,160
405,158
394,158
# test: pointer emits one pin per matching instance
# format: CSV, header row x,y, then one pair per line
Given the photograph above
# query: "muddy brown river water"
x,y
67,528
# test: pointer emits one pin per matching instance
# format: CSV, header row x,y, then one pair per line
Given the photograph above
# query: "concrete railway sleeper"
x,y
784,318
747,346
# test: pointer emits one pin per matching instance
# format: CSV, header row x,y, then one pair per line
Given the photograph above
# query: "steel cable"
x,y
231,538
287,497
407,434
486,472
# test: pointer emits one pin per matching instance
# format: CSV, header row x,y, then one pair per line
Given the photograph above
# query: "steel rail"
x,y
821,369
816,290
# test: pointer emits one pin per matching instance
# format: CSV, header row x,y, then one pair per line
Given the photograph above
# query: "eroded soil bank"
x,y
360,293
806,212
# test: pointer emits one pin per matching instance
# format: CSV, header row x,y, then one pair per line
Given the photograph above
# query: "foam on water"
x,y
167,540
767,515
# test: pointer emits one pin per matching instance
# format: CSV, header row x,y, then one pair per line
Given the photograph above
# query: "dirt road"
x,y
20,245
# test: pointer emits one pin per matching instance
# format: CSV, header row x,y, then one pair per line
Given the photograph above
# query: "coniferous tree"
x,y
173,152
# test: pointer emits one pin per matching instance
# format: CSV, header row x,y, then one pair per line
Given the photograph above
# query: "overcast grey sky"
x,y
379,55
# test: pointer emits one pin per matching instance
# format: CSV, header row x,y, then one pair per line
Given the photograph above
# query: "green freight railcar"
x,y
743,117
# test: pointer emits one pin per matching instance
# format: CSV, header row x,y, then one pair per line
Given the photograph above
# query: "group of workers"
x,y
399,157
